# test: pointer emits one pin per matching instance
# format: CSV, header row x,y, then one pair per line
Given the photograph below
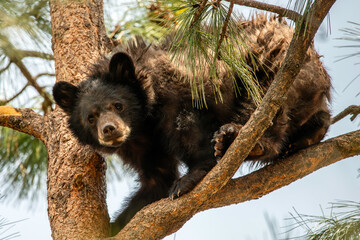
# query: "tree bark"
x,y
76,175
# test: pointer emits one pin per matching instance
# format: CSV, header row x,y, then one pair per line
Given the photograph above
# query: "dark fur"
x,y
141,109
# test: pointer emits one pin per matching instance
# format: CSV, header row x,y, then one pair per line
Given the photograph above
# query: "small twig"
x,y
223,31
353,109
44,74
26,53
6,101
198,13
17,60
283,12
5,68
117,28
32,81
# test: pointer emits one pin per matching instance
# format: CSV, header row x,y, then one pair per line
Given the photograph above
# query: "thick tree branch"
x,y
284,172
23,120
169,219
261,119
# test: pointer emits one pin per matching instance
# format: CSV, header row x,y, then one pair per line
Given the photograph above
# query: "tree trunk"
x,y
76,174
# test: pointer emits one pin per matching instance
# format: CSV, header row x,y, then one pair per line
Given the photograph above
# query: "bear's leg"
x,y
226,135
311,132
265,150
155,185
198,167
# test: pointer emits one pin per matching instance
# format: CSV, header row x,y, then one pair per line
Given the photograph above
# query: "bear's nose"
x,y
108,129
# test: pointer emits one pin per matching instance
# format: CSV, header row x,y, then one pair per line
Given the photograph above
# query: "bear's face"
x,y
109,113
105,110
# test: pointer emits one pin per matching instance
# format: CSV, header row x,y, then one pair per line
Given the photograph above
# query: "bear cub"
x,y
138,106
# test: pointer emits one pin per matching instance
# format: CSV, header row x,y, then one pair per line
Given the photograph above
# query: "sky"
x,y
309,195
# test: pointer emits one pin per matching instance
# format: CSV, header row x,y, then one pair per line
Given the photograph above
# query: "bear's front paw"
x,y
224,137
186,183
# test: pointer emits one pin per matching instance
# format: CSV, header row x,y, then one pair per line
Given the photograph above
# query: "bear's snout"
x,y
112,130
108,130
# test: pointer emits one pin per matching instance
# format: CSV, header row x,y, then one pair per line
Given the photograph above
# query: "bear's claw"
x,y
224,137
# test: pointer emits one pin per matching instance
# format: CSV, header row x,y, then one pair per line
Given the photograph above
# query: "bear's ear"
x,y
122,67
65,95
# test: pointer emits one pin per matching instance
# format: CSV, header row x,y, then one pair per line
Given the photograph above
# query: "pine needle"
x,y
342,224
208,38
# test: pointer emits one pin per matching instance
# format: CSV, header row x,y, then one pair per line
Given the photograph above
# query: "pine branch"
x,y
353,110
343,222
198,13
23,120
223,30
283,12
37,54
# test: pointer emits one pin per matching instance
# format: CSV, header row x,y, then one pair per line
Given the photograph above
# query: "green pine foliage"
x,y
29,20
343,223
24,26
197,35
138,18
207,38
5,229
23,164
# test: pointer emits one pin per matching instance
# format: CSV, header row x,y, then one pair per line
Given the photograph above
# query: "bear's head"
x,y
106,109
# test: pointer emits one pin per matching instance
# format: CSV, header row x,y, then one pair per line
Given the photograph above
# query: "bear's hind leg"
x,y
198,166
154,186
266,149
311,132
226,135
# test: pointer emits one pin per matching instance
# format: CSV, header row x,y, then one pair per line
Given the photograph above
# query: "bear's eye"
x,y
91,119
119,107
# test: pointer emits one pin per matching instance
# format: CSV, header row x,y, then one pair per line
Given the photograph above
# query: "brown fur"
x,y
142,109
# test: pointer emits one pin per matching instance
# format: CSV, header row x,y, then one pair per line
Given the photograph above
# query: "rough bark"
x,y
76,175
23,120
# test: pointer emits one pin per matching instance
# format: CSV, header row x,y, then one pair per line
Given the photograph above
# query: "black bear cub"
x,y
138,106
